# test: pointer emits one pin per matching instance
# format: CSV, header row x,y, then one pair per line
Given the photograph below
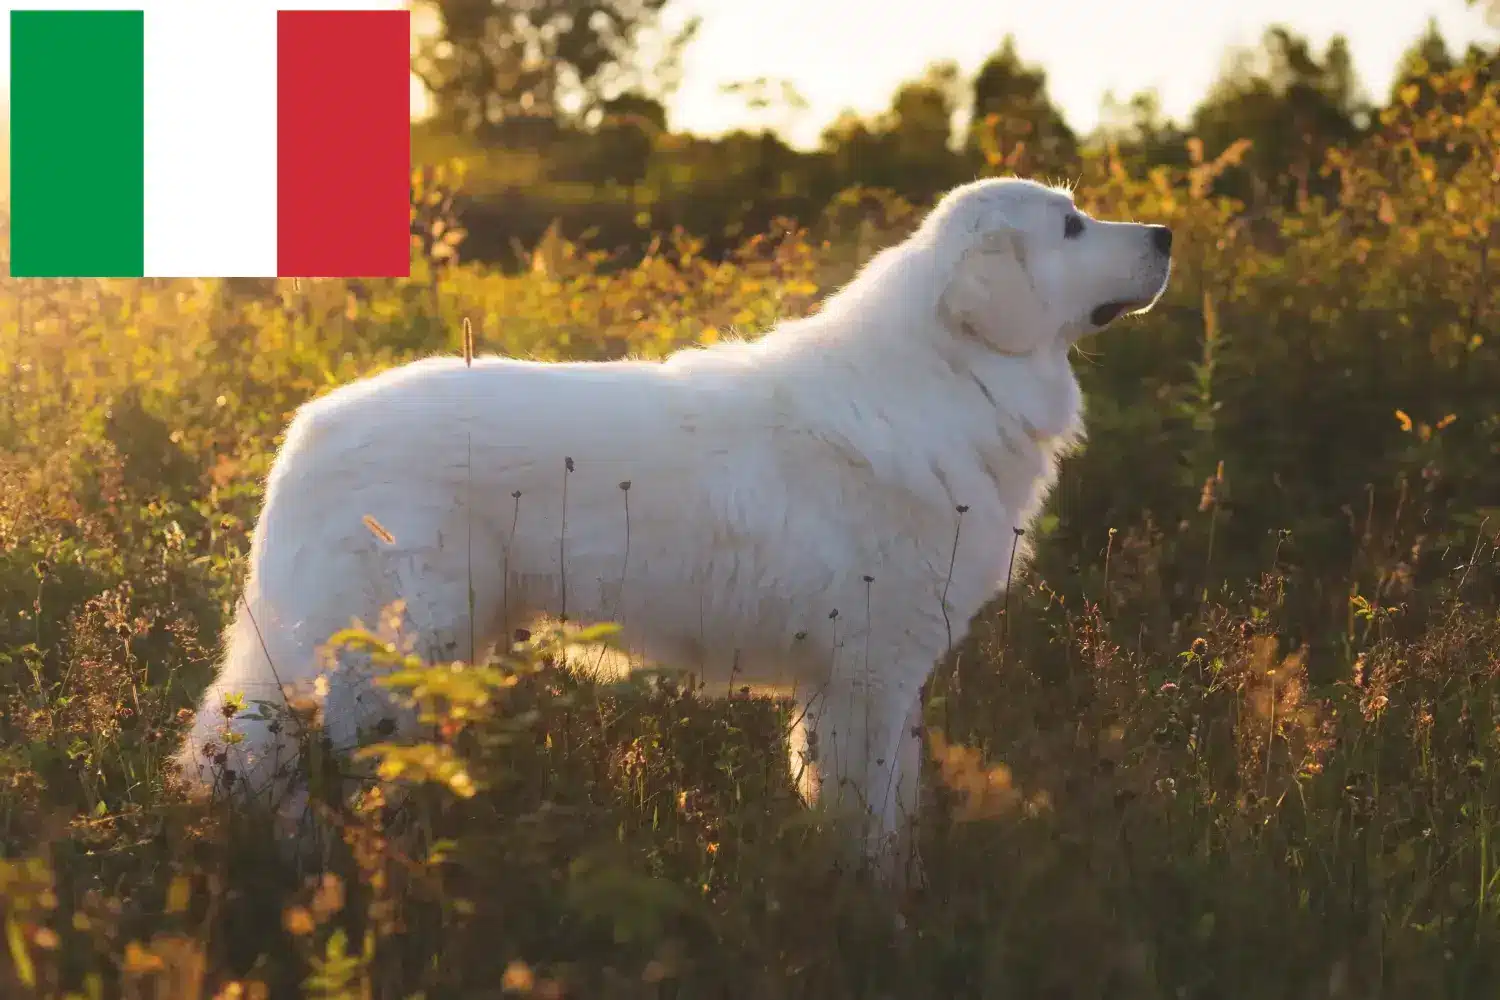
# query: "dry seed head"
x,y
518,978
378,530
297,921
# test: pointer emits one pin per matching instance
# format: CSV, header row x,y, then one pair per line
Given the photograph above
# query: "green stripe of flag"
x,y
77,187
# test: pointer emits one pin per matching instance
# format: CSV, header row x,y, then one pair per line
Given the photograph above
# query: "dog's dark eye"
x,y
1072,226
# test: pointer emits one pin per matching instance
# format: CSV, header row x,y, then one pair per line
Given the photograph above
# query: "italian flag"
x,y
209,138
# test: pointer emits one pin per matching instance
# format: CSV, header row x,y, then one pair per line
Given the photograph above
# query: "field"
x,y
1234,734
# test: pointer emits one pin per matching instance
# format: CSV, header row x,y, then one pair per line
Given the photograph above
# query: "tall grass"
x,y
1233,734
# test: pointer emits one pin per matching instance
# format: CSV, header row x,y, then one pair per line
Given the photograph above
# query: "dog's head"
x,y
1023,268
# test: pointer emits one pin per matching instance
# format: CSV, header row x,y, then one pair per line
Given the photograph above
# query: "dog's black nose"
x,y
1161,238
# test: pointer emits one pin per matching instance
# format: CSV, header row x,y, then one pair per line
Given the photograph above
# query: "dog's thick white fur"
x,y
792,506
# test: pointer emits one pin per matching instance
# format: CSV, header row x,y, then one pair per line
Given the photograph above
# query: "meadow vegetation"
x,y
1235,732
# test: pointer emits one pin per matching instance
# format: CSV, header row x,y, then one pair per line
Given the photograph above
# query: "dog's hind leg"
x,y
429,609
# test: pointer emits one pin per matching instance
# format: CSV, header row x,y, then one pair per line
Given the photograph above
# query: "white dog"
x,y
792,501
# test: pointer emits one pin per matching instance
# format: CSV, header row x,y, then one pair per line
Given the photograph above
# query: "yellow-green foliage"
x,y
1234,733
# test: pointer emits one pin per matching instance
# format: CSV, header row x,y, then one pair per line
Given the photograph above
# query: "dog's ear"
x,y
990,296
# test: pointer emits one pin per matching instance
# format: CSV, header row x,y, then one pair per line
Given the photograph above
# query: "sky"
x,y
853,53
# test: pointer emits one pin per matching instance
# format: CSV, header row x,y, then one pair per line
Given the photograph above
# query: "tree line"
x,y
558,110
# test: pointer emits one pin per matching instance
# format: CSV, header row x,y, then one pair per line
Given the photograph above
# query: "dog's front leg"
x,y
902,861
854,752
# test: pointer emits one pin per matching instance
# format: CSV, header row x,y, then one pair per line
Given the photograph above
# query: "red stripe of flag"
x,y
344,143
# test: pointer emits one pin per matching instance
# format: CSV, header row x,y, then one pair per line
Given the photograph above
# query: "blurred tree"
x,y
1292,106
1141,134
853,147
768,158
1423,83
620,147
763,94
919,127
521,68
909,146
1429,55
1013,123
